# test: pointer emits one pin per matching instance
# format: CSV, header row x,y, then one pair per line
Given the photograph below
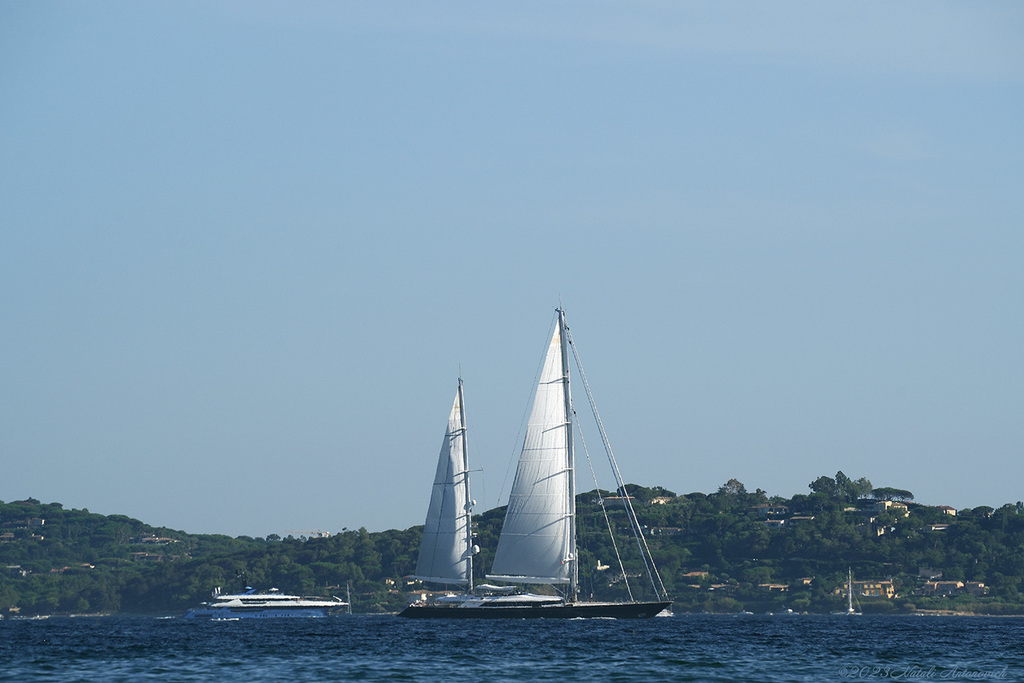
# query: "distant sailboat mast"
x,y
849,591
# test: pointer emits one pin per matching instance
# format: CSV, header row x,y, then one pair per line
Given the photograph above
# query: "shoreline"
x,y
915,613
958,613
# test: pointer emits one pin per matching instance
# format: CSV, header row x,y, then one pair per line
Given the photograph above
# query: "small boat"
x,y
269,605
537,544
849,596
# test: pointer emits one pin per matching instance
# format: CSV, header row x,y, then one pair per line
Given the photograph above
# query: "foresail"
x,y
445,553
535,545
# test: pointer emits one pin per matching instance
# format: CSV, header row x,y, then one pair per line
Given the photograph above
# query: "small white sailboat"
x,y
849,595
537,544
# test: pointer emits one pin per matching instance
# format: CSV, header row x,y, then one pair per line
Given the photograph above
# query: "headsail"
x,y
446,554
537,542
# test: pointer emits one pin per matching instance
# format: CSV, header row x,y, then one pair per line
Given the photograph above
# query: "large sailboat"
x,y
538,538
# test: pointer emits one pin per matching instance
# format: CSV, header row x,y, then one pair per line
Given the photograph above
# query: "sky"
x,y
247,248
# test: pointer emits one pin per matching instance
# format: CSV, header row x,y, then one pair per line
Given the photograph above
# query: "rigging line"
x,y
483,486
518,442
645,551
604,510
620,483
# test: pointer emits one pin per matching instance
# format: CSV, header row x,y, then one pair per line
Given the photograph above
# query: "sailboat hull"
x,y
577,610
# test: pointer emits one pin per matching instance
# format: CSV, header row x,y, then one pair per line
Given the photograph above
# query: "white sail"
x,y
537,542
446,552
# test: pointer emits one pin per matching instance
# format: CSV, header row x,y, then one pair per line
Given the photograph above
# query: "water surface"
x,y
681,648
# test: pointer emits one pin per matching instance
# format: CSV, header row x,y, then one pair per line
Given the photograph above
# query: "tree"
x,y
889,493
841,488
861,488
733,487
844,487
825,486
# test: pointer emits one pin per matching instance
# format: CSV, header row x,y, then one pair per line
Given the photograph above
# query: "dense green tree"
x,y
889,493
825,486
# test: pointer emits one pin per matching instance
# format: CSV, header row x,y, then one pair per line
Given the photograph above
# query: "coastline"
x,y
958,613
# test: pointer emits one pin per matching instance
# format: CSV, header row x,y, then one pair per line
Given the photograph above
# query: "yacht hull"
x,y
577,610
258,613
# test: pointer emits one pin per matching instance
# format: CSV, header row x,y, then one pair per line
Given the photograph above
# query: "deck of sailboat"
x,y
567,610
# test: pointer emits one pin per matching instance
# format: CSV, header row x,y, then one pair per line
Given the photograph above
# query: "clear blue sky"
x,y
246,247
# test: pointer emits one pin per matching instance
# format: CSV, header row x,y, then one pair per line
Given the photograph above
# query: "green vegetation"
x,y
719,552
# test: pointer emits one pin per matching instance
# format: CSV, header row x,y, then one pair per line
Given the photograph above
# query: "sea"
x,y
744,647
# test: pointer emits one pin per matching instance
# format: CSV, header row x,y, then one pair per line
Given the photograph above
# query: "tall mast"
x,y
571,462
469,501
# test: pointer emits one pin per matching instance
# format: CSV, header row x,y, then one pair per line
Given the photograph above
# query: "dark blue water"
x,y
681,648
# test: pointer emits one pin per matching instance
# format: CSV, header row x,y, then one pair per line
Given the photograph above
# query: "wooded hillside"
x,y
724,551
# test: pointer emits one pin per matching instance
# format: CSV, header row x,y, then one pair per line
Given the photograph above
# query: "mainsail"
x,y
446,554
537,542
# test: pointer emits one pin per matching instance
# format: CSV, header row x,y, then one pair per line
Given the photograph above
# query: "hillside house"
x,y
893,506
769,510
156,540
942,588
774,587
950,588
870,589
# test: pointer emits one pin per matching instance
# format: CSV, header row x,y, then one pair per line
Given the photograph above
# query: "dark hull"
x,y
578,610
